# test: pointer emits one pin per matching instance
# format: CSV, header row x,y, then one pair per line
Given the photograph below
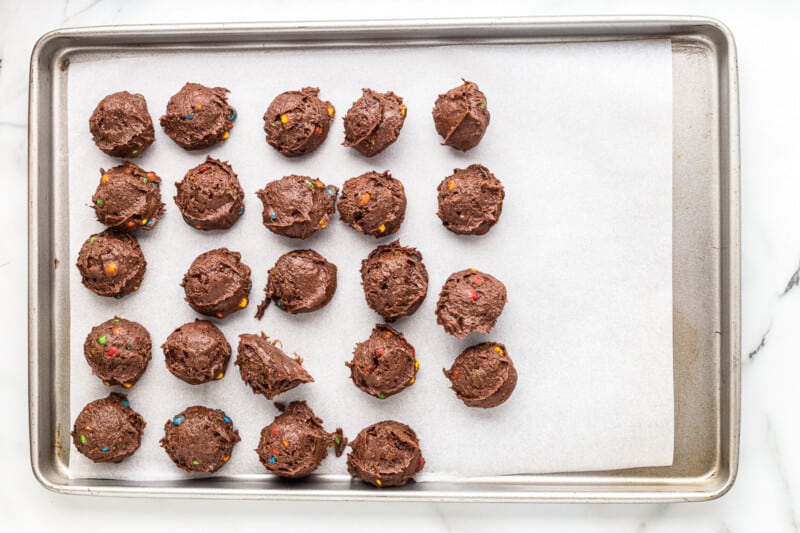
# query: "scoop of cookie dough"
x,y
200,439
386,454
111,264
121,125
128,198
461,117
470,200
395,280
198,116
266,368
300,282
297,206
373,204
118,351
197,352
384,364
373,122
210,196
108,430
296,122
217,283
295,443
483,375
470,301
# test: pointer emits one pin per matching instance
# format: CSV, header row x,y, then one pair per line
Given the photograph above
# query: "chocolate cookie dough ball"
x,y
197,352
470,200
217,283
374,121
483,375
198,116
395,280
295,443
461,117
210,196
373,204
297,206
118,351
384,364
200,439
266,368
108,430
111,264
385,454
121,125
300,282
128,198
296,122
470,301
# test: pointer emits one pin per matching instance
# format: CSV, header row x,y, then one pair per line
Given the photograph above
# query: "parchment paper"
x,y
581,137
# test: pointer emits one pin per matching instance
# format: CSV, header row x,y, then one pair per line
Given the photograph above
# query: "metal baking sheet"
x,y
705,255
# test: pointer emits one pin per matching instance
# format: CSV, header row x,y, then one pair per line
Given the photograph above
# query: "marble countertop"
x,y
766,496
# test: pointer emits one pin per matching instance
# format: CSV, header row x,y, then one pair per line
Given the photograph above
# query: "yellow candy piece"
x,y
378,482
331,111
104,179
225,135
284,119
111,269
323,223
451,185
413,379
403,111
416,364
127,385
498,350
243,303
382,228
220,375
285,444
473,270
144,222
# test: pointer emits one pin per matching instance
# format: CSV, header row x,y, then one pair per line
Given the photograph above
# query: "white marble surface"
x,y
766,496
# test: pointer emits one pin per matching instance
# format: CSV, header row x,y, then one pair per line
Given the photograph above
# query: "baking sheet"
x,y
581,138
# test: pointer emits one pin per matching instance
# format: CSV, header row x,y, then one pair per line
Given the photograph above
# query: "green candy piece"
x,y
100,202
92,238
195,462
382,396
145,180
337,440
272,124
135,152
101,340
83,439
482,105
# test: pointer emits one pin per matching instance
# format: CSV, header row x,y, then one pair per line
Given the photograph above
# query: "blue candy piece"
x,y
149,222
278,303
233,116
273,216
178,419
329,191
240,212
272,460
126,403
104,449
415,256
118,297
227,419
189,117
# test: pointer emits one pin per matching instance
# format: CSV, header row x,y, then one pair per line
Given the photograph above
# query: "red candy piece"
x,y
473,296
276,432
112,351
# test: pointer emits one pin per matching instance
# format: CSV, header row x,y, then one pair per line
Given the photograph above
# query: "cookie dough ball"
x,y
108,430
198,116
297,206
470,200
296,122
384,364
470,301
483,375
197,352
121,125
118,351
111,264
200,439
217,283
395,280
461,117
266,368
373,204
210,196
128,198
385,454
374,121
295,443
300,282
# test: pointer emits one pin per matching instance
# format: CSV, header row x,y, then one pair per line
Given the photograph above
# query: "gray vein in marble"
x,y
794,281
777,457
77,13
658,510
761,344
